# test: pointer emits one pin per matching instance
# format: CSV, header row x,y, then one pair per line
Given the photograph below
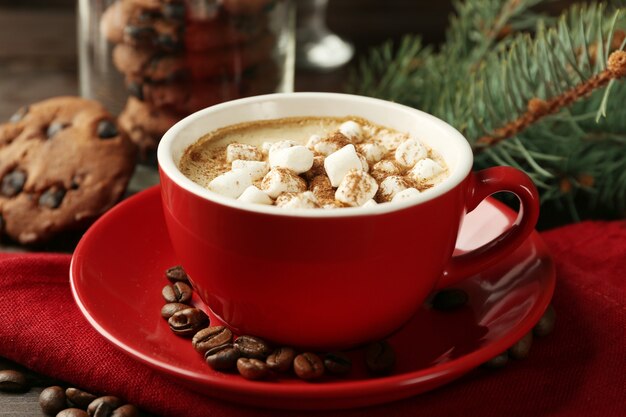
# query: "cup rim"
x,y
168,166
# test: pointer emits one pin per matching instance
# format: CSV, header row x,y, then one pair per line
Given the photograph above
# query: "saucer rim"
x,y
331,389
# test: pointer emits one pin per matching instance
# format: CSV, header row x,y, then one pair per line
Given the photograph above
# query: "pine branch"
x,y
543,88
538,108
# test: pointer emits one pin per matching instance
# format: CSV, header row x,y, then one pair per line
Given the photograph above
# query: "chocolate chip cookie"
x,y
151,66
145,124
63,162
125,22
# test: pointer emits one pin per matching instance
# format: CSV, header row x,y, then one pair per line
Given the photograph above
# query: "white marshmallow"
x,y
384,169
404,195
339,163
256,169
265,147
391,186
410,151
298,201
281,180
331,143
231,183
255,196
313,140
373,152
352,130
370,203
299,159
364,165
425,169
236,151
356,188
281,144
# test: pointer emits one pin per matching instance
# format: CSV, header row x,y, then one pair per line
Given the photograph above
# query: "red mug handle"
x,y
481,185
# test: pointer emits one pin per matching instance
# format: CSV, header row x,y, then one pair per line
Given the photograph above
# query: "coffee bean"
x,y
79,398
72,412
176,273
52,197
169,309
337,363
188,322
281,359
103,406
308,365
222,357
211,337
52,400
521,349
178,292
127,410
13,381
19,115
252,347
106,129
545,325
55,128
450,299
174,11
251,368
13,183
380,358
498,362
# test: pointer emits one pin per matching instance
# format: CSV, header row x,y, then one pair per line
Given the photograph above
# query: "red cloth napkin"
x,y
580,370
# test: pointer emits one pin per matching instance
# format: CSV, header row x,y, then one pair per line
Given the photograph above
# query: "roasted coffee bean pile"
x,y
72,402
254,358
251,356
66,402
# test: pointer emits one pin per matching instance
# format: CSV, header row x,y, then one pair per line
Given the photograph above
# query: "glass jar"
x,y
153,62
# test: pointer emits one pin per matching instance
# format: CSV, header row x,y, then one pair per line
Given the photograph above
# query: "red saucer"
x,y
117,277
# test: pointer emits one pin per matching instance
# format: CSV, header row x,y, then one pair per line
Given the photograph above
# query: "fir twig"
x,y
539,108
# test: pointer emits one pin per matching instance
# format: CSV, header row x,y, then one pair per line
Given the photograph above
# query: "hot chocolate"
x,y
313,162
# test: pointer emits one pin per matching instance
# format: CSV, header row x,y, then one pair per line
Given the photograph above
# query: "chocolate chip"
x,y
76,180
13,183
19,115
174,11
55,128
52,197
135,89
139,33
168,42
107,129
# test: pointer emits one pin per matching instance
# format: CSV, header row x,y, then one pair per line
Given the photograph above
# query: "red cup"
x,y
327,279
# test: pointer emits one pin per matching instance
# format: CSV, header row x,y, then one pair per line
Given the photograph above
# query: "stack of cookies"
x,y
180,56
